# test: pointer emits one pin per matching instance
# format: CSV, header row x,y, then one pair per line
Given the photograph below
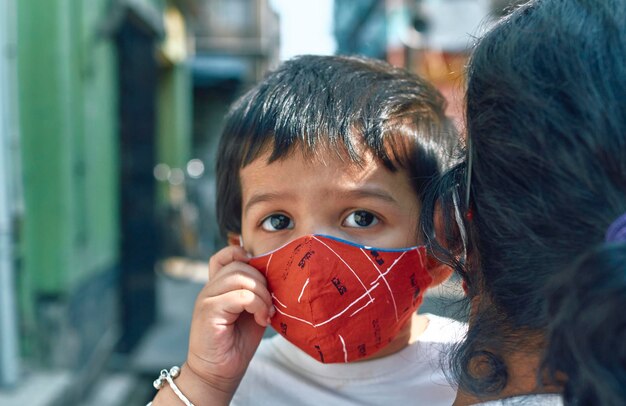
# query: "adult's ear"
x,y
234,239
439,271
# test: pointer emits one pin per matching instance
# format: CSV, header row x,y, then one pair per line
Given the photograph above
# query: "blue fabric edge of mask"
x,y
341,240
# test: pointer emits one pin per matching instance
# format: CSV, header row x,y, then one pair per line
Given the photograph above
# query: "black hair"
x,y
337,102
587,331
546,164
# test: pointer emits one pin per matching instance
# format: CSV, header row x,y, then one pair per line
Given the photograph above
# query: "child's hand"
x,y
229,319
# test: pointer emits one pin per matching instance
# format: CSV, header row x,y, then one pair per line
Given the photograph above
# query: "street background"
x,y
110,112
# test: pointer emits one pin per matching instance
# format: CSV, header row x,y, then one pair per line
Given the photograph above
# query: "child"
x,y
325,159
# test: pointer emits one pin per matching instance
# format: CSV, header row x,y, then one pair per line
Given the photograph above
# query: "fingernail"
x,y
272,312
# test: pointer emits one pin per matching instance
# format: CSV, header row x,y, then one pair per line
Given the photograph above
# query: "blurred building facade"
x,y
94,95
430,37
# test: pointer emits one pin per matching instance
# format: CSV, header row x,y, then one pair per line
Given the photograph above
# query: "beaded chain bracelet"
x,y
168,376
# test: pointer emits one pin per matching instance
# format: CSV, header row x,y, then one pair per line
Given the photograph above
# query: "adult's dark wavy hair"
x,y
587,332
325,103
546,138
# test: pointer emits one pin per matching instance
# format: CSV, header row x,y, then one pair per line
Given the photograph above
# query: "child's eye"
x,y
277,222
360,219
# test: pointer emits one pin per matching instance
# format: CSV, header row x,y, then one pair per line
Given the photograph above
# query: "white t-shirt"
x,y
544,399
282,374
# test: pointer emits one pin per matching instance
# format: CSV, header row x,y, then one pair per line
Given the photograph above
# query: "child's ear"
x,y
233,239
440,272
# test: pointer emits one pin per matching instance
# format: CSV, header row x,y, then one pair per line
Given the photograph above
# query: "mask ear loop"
x,y
468,207
455,199
459,222
468,179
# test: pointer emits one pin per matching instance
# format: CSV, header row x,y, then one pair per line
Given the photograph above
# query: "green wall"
x,y
174,120
174,115
68,119
70,151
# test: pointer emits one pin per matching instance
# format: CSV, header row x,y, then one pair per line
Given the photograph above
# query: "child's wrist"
x,y
214,392
196,389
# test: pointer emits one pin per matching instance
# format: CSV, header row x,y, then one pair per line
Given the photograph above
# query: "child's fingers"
x,y
242,278
235,302
245,300
237,268
226,256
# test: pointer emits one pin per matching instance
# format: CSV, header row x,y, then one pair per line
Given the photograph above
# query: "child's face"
x,y
296,196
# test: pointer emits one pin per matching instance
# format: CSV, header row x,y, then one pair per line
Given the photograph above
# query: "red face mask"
x,y
338,301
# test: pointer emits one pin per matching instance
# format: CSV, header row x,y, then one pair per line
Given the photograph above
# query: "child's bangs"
x,y
316,136
394,150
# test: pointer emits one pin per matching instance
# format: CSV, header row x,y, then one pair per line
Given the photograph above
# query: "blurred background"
x,y
110,111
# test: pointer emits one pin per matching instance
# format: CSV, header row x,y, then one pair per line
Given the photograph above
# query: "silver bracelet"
x,y
168,376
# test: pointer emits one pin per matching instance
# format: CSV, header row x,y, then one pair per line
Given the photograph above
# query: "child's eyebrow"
x,y
265,197
369,193
355,194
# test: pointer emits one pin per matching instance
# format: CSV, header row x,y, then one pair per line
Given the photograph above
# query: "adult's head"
x,y
546,174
